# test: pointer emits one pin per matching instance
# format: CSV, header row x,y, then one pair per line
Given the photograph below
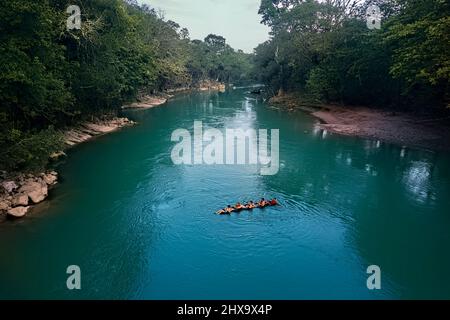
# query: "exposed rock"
x,y
18,212
208,85
5,204
9,186
147,102
73,137
90,129
18,195
50,178
100,128
221,87
174,90
27,189
20,200
36,191
57,155
39,195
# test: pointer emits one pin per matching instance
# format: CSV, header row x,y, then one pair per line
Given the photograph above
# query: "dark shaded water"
x,y
142,228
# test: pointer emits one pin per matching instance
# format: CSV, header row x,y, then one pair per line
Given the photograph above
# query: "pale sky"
x,y
236,20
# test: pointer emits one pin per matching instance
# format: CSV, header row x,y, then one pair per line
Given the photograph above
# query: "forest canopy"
x,y
52,77
325,50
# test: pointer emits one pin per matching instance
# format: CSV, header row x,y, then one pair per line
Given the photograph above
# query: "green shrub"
x,y
28,151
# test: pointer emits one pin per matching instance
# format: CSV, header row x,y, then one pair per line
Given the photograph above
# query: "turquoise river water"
x,y
140,227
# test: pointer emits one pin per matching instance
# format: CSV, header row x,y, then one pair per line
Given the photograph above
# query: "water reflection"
x,y
379,192
417,180
145,228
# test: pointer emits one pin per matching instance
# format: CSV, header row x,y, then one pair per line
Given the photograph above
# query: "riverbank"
x,y
20,192
209,85
398,128
88,130
152,101
148,102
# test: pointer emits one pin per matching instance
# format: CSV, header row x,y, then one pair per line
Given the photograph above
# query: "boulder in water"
x,y
18,212
36,191
20,200
50,178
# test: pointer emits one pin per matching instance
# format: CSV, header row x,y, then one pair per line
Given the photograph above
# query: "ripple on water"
x,y
417,180
344,203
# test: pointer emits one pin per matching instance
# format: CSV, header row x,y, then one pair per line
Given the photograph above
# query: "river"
x,y
140,227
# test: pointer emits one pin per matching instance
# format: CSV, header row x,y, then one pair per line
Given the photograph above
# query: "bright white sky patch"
x,y
236,20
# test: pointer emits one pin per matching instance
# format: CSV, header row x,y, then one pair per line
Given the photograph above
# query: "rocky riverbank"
x,y
399,128
20,192
205,85
18,195
212,86
147,102
88,130
151,101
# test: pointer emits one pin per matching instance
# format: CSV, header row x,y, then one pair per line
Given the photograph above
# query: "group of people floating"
x,y
249,206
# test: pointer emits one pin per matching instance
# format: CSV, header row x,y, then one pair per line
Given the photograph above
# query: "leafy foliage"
x,y
52,77
324,48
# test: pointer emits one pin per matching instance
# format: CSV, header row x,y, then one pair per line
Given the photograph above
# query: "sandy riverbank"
x,y
400,128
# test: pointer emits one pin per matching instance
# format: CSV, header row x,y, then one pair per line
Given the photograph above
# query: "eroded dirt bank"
x,y
429,132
